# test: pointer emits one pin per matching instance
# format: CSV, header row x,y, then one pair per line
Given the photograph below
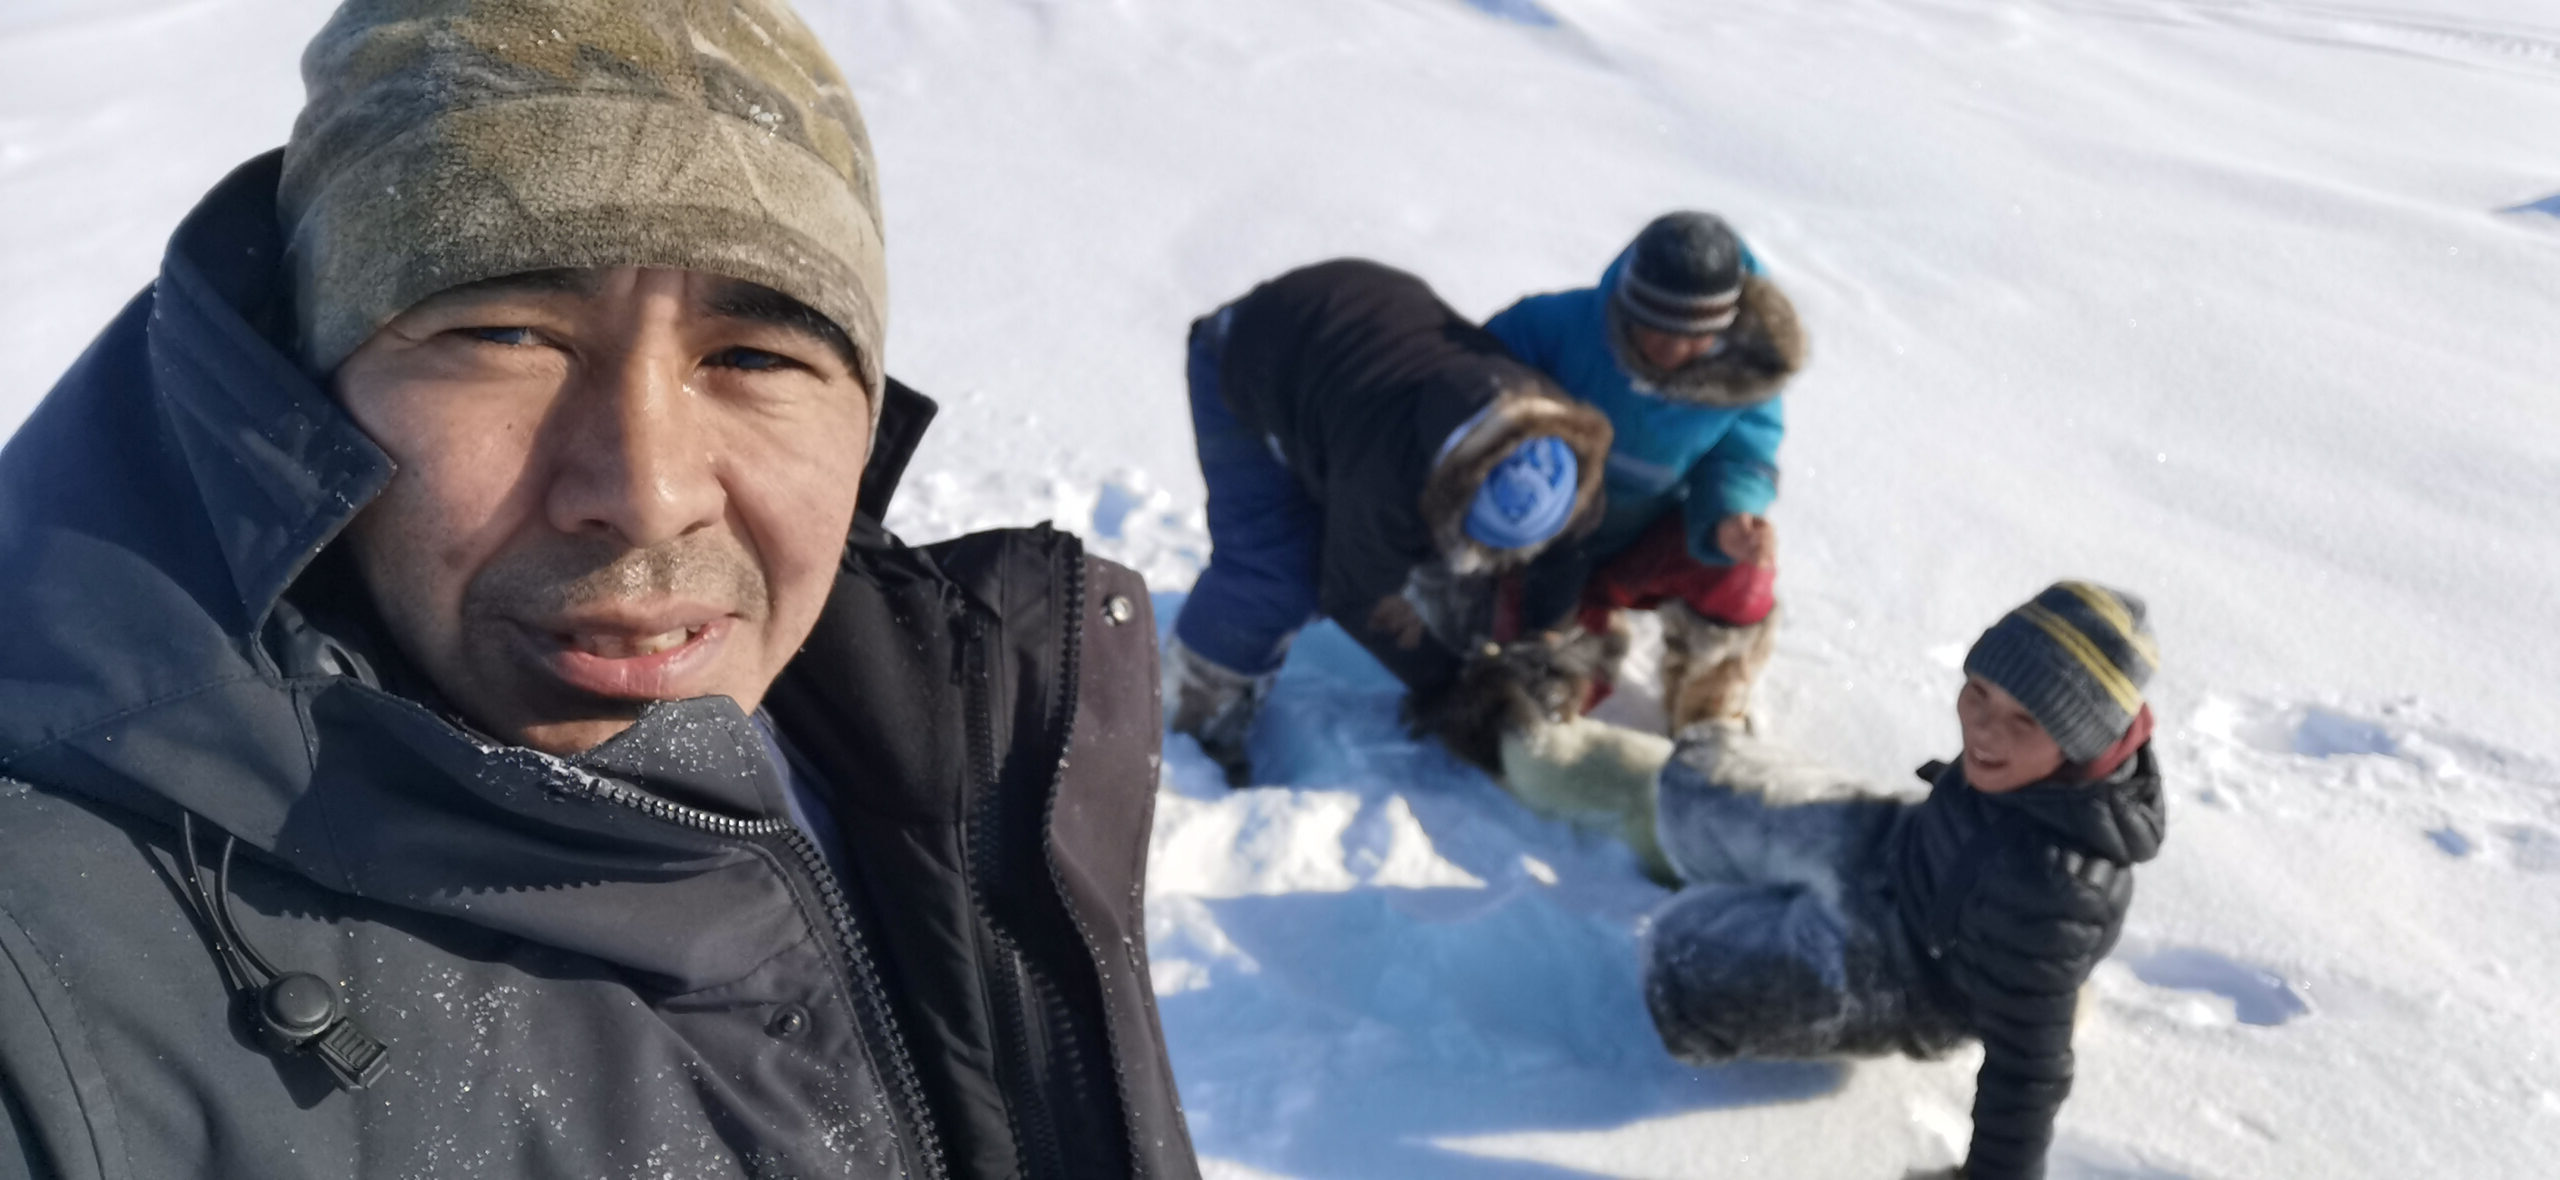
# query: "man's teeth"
x,y
624,647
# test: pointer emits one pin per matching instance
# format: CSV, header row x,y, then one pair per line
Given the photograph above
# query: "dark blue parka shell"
x,y
629,963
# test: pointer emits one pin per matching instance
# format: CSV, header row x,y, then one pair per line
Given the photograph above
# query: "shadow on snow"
x,y
2549,205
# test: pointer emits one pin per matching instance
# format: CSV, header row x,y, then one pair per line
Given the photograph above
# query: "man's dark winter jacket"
x,y
627,963
1358,375
2014,899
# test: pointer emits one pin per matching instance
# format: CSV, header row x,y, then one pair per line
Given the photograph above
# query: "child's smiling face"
x,y
2004,747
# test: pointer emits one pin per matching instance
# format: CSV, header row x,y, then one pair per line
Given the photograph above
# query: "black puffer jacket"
x,y
2014,898
627,963
1358,374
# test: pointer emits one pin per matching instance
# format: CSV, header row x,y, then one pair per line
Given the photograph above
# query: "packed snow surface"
x,y
2246,305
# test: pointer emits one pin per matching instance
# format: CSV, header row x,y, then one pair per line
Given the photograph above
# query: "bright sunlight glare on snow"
x,y
2252,306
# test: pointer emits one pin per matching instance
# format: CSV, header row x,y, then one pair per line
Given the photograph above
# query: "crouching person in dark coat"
x,y
1821,919
1355,434
466,717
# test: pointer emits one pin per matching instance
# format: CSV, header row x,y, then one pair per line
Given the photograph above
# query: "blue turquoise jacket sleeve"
x,y
1737,475
1533,330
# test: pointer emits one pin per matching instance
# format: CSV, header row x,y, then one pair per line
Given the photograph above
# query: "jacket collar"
x,y
2120,817
1751,364
280,469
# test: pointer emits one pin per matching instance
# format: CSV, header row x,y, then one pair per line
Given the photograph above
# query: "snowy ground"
x,y
2248,305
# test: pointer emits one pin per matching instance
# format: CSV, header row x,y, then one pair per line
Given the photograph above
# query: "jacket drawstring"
x,y
294,1011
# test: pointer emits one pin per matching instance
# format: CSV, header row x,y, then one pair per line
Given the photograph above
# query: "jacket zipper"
x,y
867,992
1071,679
1034,1126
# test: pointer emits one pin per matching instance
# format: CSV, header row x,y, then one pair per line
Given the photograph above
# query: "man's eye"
x,y
753,360
506,336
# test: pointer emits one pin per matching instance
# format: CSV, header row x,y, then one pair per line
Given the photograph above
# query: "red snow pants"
x,y
1658,568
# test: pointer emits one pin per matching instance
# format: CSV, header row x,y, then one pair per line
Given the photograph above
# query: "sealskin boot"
x,y
1216,706
1708,668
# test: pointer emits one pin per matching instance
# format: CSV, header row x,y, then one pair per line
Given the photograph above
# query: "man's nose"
x,y
632,457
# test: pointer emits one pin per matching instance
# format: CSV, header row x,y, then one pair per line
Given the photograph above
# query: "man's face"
x,y
613,487
1668,351
2004,747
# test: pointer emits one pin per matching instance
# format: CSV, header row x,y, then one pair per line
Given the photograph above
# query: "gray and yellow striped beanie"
x,y
2077,656
445,142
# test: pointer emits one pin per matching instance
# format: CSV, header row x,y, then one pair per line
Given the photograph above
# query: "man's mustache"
x,y
563,576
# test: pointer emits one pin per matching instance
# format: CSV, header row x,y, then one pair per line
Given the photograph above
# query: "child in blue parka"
x,y
1685,344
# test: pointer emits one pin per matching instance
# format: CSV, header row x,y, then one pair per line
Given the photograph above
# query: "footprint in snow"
x,y
2527,848
2298,730
2531,849
2258,996
2323,733
2401,732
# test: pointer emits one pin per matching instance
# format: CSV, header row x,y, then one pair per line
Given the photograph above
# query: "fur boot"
x,y
1734,809
1214,704
1591,773
1708,668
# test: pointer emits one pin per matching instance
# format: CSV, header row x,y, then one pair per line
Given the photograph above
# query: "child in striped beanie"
x,y
1820,918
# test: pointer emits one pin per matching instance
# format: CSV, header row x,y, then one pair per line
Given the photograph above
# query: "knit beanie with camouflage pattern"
x,y
445,142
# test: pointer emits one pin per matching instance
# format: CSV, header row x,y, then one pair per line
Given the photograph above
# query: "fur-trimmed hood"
x,y
1763,349
1526,409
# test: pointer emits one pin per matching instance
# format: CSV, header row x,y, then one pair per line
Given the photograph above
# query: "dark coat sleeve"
x,y
1364,568
2034,931
1374,537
